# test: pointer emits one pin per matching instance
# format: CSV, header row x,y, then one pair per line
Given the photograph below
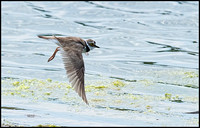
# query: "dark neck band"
x,y
87,48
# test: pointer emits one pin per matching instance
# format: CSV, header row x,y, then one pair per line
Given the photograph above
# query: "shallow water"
x,y
144,74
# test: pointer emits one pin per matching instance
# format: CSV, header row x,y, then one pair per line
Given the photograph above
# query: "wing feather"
x,y
74,65
71,51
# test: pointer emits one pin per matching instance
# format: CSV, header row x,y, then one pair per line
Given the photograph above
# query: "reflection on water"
x,y
151,46
13,108
173,49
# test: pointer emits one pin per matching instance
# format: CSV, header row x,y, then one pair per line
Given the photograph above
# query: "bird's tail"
x,y
51,38
47,37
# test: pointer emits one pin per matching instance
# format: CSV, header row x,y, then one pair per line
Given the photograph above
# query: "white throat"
x,y
87,48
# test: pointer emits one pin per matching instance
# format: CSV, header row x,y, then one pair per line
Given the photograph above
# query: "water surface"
x,y
146,72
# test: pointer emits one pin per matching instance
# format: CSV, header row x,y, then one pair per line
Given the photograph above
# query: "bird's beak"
x,y
96,46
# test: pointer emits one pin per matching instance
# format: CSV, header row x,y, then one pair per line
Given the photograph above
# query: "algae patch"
x,y
191,74
118,93
34,88
118,83
168,96
146,82
176,98
47,125
90,88
59,91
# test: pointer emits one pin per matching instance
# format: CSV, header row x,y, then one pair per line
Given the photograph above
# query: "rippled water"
x,y
151,46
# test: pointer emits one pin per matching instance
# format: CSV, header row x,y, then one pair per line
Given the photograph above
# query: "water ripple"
x,y
173,49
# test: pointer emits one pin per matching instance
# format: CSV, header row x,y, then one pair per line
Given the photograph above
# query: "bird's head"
x,y
92,44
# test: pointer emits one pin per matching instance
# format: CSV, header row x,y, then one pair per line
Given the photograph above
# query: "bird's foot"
x,y
52,57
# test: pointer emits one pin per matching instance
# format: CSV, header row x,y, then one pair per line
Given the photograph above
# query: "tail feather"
x,y
46,37
51,38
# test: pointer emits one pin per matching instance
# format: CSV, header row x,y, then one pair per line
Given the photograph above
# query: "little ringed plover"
x,y
71,49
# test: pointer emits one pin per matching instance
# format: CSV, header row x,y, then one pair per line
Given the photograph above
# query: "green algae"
x,y
168,96
175,98
107,93
47,93
146,82
44,88
191,74
133,97
118,83
16,83
148,107
49,80
90,88
34,88
46,125
111,91
6,123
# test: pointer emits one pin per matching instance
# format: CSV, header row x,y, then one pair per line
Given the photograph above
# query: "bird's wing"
x,y
74,65
71,50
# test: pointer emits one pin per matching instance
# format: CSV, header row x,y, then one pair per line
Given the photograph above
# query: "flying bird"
x,y
71,49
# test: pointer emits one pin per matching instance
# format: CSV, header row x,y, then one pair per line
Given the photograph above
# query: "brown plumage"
x,y
71,50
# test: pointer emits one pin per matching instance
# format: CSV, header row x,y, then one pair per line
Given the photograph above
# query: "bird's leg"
x,y
51,58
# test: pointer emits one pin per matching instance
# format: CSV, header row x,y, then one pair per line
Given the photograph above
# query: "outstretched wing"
x,y
74,65
71,50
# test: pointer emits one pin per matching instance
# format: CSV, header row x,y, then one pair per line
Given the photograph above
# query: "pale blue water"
x,y
154,41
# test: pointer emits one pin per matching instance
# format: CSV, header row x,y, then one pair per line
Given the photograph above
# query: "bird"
x,y
71,50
